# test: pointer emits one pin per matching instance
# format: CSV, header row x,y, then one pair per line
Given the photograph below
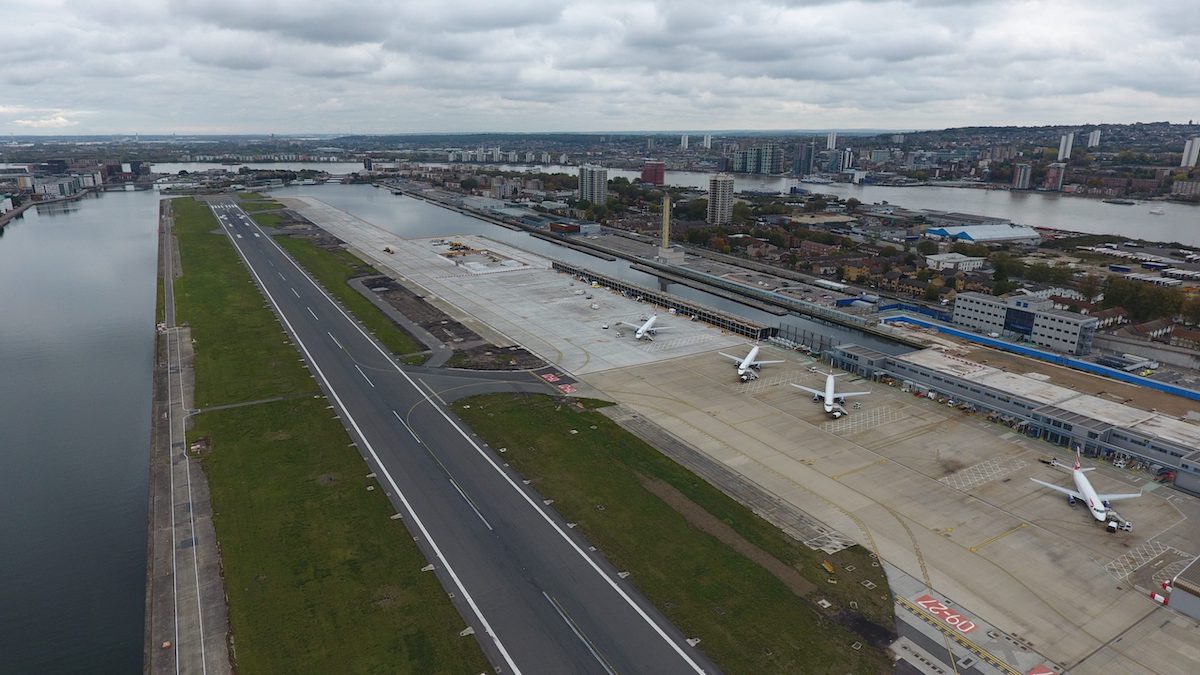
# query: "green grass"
x,y
240,347
333,268
319,578
265,219
748,620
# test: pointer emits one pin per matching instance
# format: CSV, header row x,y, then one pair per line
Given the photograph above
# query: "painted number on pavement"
x,y
935,607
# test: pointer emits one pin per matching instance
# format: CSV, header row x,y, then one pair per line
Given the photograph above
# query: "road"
x,y
536,595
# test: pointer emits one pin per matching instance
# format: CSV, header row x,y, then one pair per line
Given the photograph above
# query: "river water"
x,y
76,355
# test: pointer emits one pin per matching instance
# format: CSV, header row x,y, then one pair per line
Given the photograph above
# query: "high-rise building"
x,y
1191,152
1064,146
683,142
1022,174
529,157
831,141
1094,139
593,184
654,172
804,158
562,159
767,159
841,161
650,143
720,199
1055,173
707,141
545,158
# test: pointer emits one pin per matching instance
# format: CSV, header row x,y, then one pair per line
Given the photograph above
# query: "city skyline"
x,y
369,67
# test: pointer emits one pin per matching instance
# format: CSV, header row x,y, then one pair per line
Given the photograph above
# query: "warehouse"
x,y
1041,409
988,234
1185,590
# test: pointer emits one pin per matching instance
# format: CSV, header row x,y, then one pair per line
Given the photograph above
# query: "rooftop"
x,y
986,232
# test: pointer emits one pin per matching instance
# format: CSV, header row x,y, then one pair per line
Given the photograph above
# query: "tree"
x,y
469,184
931,291
1089,286
927,247
852,204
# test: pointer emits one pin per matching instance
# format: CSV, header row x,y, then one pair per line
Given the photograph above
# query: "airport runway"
x,y
537,598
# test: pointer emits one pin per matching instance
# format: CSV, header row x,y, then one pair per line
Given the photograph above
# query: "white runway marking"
x,y
295,293
314,314
862,420
335,341
983,472
360,372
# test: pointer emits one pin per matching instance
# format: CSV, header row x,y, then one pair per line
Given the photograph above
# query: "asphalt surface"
x,y
538,599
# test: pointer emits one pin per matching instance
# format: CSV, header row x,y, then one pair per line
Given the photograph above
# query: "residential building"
x,y
1094,139
6,204
954,261
683,142
720,199
1064,146
831,141
1055,173
593,184
654,172
1022,174
1191,152
707,141
805,153
767,159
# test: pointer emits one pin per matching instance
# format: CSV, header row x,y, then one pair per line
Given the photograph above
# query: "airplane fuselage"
x,y
647,328
1095,505
747,364
829,394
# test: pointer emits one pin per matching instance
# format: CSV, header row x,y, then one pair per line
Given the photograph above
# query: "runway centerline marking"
x,y
579,634
295,293
360,372
314,314
335,341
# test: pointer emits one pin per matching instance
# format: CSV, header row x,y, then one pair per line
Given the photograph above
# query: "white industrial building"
x,y
954,261
1185,590
988,234
1027,317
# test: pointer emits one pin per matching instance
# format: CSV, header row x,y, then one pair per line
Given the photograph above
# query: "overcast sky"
x,y
382,66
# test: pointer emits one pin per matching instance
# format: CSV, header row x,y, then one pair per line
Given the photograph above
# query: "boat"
x,y
1121,202
1157,211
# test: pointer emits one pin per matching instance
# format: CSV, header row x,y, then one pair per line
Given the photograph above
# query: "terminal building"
x,y
1026,317
1040,409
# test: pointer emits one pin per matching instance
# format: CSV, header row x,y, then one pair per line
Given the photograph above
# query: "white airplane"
x,y
746,366
832,399
1098,505
645,331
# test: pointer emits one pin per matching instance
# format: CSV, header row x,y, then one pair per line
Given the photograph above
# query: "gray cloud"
x,y
379,66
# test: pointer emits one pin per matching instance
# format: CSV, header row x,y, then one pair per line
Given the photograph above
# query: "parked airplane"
x,y
1098,505
832,399
647,330
747,366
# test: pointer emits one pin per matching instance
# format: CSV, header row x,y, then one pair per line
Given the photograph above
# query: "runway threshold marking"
x,y
989,540
360,372
612,583
437,551
954,634
579,634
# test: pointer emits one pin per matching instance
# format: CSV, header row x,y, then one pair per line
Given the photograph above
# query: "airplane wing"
x,y
848,394
1057,488
759,363
811,391
631,325
731,357
1113,498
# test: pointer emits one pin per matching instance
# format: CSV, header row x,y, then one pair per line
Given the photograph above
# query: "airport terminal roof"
x,y
1058,399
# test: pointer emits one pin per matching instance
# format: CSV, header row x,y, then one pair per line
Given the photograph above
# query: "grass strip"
x,y
241,352
333,268
319,579
749,620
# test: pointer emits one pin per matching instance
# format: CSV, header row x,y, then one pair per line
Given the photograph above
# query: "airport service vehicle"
x,y
1098,505
647,330
747,367
832,399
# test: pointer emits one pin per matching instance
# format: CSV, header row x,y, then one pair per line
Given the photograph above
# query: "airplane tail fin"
x,y
1078,459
